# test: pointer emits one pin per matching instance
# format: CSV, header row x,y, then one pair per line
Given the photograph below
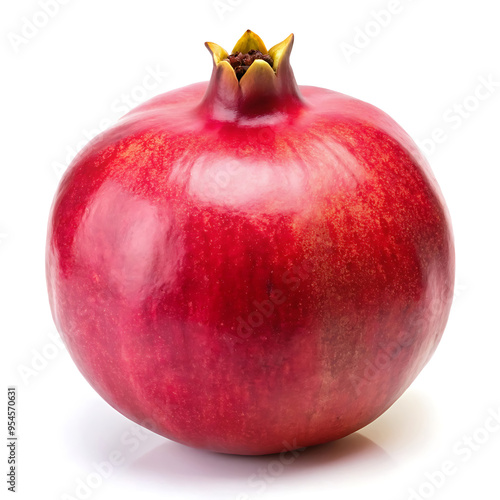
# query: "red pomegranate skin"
x,y
256,284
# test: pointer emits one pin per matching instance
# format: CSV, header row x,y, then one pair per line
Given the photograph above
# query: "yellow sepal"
x,y
218,53
281,51
249,41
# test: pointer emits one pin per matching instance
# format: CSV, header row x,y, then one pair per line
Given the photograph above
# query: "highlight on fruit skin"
x,y
247,265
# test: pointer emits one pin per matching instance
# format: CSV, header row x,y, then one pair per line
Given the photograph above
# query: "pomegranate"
x,y
250,266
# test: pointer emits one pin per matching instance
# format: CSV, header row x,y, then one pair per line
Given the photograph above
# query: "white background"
x,y
84,67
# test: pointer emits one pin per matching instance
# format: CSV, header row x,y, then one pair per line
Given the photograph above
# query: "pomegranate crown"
x,y
251,76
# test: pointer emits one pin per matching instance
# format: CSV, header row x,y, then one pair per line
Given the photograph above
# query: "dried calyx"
x,y
251,80
241,62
